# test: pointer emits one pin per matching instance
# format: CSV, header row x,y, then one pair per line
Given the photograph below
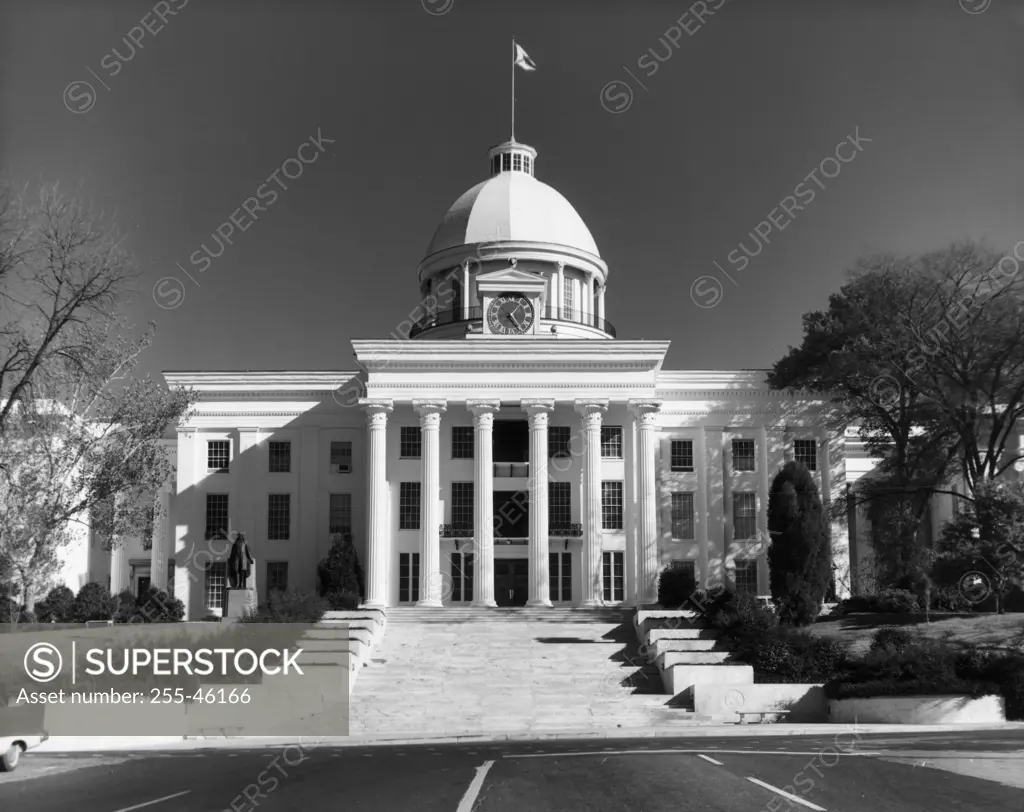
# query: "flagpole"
x,y
513,87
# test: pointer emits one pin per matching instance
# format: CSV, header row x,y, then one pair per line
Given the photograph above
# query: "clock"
x,y
510,314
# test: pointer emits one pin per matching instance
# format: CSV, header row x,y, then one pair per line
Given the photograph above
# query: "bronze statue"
x,y
239,564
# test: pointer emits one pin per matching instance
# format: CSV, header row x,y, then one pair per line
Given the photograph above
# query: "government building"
x,y
502,447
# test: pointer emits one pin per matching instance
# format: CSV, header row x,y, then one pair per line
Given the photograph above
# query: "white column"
x,y
591,410
483,498
763,539
538,411
646,412
715,499
378,543
630,509
840,546
465,291
600,304
430,493
159,553
560,293
119,567
700,460
590,299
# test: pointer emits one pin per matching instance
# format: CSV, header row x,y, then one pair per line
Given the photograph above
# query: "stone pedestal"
x,y
237,602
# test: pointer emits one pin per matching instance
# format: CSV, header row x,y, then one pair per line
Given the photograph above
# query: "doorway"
x,y
511,581
511,514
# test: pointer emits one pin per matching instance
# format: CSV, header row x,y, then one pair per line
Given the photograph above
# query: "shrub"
x,y
25,616
56,607
918,687
93,602
949,599
125,606
897,602
799,558
340,570
342,600
156,606
293,606
891,637
675,587
858,603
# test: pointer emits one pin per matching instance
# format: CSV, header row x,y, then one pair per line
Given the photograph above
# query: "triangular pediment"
x,y
510,276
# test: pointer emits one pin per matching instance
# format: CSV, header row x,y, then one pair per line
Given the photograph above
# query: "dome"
x,y
512,206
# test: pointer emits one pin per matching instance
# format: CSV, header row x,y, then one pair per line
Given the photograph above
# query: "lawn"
x,y
987,630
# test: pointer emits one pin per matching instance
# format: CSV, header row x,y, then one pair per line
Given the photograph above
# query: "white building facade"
x,y
503,447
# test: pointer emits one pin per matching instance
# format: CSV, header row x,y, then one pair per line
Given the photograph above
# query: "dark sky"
x,y
741,111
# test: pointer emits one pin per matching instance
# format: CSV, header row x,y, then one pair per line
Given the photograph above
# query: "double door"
x,y
511,581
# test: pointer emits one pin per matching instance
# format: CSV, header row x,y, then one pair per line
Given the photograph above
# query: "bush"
x,y
342,600
56,607
858,603
340,571
897,602
125,606
156,606
675,587
891,637
93,602
799,557
919,687
25,616
293,606
949,599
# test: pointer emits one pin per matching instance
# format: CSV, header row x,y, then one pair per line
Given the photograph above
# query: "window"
x,y
567,297
462,505
682,516
526,163
280,458
216,583
409,506
279,516
341,457
558,442
744,515
462,442
341,513
743,455
411,442
614,580
682,455
611,505
462,576
559,505
560,577
218,456
408,577
496,164
806,451
277,576
517,163
506,162
611,441
216,516
746,575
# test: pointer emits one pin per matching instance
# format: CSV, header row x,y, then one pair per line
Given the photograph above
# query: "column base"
x,y
489,603
539,603
592,603
427,603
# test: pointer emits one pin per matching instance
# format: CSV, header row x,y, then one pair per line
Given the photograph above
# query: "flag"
x,y
523,59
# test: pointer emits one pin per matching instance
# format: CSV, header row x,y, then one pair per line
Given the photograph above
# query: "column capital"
x,y
590,406
374,405
560,265
537,406
482,407
430,411
646,410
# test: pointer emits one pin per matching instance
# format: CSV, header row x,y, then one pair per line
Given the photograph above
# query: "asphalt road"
x,y
883,772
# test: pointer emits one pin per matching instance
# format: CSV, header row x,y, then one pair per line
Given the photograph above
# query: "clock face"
x,y
510,314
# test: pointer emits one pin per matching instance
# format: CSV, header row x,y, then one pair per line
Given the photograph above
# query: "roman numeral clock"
x,y
513,302
510,314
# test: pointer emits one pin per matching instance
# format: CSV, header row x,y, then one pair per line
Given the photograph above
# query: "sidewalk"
x,y
94,744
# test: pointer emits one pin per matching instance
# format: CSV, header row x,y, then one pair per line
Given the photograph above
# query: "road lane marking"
x,y
708,758
786,795
157,801
694,752
473,791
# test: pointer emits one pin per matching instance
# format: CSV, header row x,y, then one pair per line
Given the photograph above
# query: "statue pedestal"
x,y
239,602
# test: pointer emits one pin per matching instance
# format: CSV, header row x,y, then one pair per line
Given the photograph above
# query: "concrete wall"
x,y
920,710
805,703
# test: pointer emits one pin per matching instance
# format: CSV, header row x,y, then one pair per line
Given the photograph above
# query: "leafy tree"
x,y
986,538
800,556
341,576
79,436
57,606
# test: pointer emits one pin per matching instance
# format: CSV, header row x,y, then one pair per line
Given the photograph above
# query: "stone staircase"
x,y
470,670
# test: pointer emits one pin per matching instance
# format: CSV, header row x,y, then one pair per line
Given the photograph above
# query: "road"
x,y
905,772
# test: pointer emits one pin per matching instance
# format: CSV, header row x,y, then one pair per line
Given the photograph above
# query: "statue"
x,y
239,564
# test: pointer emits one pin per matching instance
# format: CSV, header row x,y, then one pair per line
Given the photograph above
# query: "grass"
x,y
988,630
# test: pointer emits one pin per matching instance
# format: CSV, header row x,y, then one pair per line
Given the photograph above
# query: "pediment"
x,y
510,276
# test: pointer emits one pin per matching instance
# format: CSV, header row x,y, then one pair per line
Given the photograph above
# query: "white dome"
x,y
512,206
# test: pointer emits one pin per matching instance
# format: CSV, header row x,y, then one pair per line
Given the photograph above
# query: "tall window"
x,y
408,577
216,583
746,575
806,451
682,455
462,504
682,516
409,506
218,455
280,457
411,445
279,516
216,515
341,513
560,576
568,303
743,455
611,441
277,576
744,515
456,283
614,576
462,442
558,442
341,457
462,576
611,505
559,504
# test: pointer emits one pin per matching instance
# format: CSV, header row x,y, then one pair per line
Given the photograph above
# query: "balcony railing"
x,y
443,317
511,469
465,531
566,530
456,531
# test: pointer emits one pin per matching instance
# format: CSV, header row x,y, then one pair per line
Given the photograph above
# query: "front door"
x,y
511,581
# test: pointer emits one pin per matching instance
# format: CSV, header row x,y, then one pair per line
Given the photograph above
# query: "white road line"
x,y
157,801
469,799
708,758
695,752
784,794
